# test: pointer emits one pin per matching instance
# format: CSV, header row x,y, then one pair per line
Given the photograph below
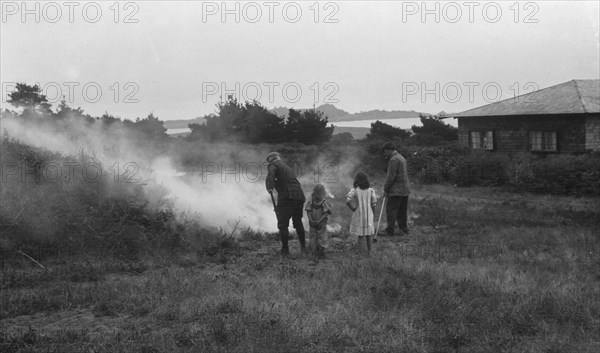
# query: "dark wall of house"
x,y
511,133
592,133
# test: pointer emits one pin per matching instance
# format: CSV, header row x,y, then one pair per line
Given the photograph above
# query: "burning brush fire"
x,y
215,197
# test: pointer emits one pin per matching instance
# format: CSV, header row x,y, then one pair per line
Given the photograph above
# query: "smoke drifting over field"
x,y
218,198
224,186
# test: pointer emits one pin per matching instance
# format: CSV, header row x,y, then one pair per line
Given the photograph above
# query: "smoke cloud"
x,y
221,184
224,187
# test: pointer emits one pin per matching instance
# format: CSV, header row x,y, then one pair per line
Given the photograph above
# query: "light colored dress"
x,y
362,222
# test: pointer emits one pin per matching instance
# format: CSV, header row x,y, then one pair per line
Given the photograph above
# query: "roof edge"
x,y
579,96
573,82
544,114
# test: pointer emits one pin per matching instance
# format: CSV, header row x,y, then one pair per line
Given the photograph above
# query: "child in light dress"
x,y
362,200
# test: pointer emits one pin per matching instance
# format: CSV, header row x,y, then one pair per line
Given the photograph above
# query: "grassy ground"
x,y
481,271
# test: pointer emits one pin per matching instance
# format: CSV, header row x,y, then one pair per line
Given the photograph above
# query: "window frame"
x,y
483,134
543,141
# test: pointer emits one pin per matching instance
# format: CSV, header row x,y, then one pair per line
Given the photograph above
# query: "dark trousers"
x,y
287,209
397,211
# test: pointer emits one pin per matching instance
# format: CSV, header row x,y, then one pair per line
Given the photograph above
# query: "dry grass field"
x,y
481,271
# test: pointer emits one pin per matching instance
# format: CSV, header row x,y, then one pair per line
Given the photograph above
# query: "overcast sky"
x,y
176,58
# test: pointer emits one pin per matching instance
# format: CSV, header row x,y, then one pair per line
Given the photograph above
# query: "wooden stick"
x,y
273,201
32,259
380,214
316,258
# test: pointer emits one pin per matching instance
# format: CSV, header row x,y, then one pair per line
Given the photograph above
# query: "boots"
x,y
284,234
302,239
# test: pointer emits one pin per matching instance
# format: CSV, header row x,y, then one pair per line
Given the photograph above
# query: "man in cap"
x,y
396,189
290,199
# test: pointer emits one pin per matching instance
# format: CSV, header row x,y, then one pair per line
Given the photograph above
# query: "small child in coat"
x,y
317,210
362,201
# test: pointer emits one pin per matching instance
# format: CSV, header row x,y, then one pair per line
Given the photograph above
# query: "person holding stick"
x,y
362,200
290,200
396,190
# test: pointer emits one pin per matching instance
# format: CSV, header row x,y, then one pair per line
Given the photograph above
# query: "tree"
x,y
436,127
151,127
308,127
262,125
249,122
227,122
64,111
108,119
207,131
30,98
231,117
385,131
252,123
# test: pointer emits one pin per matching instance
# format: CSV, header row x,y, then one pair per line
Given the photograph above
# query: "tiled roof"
x,y
572,97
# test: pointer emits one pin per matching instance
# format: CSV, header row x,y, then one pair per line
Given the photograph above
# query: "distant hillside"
x,y
182,123
331,111
334,114
381,115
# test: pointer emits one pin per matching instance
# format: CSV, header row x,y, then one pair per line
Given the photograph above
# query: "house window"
x,y
482,140
542,141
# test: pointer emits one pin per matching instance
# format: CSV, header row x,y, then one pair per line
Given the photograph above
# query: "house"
x,y
559,119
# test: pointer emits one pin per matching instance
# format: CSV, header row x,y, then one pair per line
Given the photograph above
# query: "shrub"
x,y
423,139
381,130
432,126
555,174
482,168
431,164
565,175
44,217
